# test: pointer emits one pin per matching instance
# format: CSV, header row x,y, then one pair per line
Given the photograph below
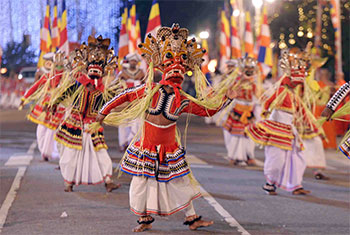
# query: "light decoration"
x,y
212,65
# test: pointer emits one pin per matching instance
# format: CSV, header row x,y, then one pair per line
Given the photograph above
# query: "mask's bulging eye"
x,y
184,56
168,55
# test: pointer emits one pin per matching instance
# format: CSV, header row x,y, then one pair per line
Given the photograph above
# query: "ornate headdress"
x,y
95,58
294,63
248,66
171,53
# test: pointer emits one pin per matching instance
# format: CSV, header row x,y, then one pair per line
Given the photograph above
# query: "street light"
x,y
212,65
204,35
257,3
236,13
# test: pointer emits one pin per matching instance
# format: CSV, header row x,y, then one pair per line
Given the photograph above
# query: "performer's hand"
x,y
231,93
100,118
21,105
327,112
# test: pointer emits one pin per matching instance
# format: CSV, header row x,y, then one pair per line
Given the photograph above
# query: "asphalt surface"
x,y
42,207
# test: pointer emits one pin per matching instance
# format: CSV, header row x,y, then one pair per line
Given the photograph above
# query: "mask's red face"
x,y
174,66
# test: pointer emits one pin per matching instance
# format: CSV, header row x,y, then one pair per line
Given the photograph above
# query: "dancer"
x,y
240,148
284,161
47,122
161,184
83,153
328,112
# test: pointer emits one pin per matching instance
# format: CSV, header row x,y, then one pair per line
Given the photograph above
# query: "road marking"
x,y
10,197
227,217
192,159
32,148
21,160
198,163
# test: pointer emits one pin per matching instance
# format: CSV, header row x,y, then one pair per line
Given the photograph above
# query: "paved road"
x,y
232,195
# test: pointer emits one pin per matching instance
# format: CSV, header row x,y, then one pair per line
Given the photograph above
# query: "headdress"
x,y
173,54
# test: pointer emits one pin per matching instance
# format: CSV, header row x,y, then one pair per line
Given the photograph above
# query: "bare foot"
x,y
69,188
200,223
112,186
142,227
301,191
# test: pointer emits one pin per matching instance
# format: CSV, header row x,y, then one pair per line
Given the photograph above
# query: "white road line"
x,y
10,197
32,148
228,218
196,162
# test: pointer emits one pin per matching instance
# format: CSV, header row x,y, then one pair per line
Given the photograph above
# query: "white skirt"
x,y
148,196
239,147
127,132
46,143
85,166
284,168
314,153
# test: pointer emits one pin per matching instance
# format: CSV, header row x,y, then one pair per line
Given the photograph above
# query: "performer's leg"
x,y
193,220
273,167
145,223
110,186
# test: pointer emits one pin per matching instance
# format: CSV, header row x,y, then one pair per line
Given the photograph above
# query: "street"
x,y
33,201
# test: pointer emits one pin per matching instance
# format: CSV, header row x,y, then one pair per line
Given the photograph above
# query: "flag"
x,y
335,16
138,32
64,45
154,19
225,52
265,51
248,37
123,39
55,31
205,63
131,29
46,36
235,41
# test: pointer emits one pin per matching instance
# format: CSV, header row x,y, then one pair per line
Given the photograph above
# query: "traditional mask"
x,y
248,66
95,57
171,53
294,63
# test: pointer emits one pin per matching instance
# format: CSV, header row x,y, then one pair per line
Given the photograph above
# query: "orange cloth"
x,y
159,137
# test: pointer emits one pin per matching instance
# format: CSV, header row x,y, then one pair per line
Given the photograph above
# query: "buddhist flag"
x,y
235,41
42,46
225,50
154,19
46,36
248,38
64,45
123,39
205,63
132,28
138,31
265,51
55,31
335,16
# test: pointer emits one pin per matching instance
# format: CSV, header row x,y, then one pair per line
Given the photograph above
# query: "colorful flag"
x,y
131,29
55,31
225,47
205,63
335,16
265,51
64,44
46,36
138,32
123,39
154,19
248,38
235,41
